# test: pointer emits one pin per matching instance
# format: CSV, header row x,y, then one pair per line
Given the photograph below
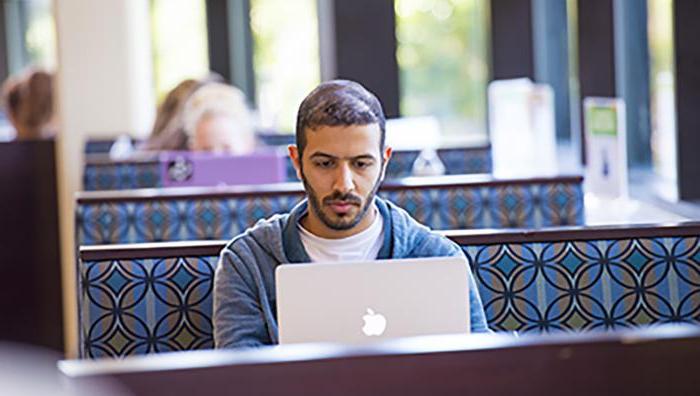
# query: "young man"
x,y
341,158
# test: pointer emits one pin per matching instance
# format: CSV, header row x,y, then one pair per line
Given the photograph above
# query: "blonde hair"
x,y
217,99
168,130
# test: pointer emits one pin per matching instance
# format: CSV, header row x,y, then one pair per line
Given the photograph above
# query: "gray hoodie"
x,y
245,307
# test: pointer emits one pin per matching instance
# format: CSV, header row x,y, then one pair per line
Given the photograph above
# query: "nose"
x,y
343,179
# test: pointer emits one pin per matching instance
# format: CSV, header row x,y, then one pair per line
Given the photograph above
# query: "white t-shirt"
x,y
358,247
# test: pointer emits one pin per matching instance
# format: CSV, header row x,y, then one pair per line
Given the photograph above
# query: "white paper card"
x,y
521,128
606,149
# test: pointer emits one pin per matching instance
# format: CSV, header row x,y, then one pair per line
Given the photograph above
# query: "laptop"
x,y
363,302
196,169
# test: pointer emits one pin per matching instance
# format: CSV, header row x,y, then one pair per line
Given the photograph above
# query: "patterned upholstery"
x,y
131,175
457,161
93,146
121,176
522,205
133,307
137,306
588,285
174,220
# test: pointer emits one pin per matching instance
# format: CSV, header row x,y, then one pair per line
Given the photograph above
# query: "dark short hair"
x,y
335,103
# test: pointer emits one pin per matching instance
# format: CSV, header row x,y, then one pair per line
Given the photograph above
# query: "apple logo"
x,y
375,323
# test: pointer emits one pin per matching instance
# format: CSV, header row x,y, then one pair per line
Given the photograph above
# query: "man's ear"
x,y
386,156
296,160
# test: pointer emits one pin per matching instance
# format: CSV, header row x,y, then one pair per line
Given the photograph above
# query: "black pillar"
x,y
687,61
231,44
596,54
596,50
511,39
365,47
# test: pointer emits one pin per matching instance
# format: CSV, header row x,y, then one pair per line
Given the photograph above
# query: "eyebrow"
x,y
357,157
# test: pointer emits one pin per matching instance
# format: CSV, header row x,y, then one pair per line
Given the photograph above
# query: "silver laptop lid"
x,y
368,301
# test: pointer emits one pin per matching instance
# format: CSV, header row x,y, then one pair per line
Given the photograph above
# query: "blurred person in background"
x,y
168,130
28,99
217,119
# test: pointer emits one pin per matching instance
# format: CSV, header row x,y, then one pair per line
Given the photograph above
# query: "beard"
x,y
343,222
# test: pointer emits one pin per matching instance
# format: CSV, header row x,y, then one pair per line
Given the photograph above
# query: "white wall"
x,y
105,87
106,67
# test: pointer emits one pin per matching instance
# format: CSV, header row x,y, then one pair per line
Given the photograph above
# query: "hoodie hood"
x,y
279,236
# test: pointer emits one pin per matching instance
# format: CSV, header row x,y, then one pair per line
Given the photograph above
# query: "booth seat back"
x,y
451,202
457,161
101,173
149,298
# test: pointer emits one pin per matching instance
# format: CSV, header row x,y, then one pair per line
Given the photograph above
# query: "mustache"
x,y
344,197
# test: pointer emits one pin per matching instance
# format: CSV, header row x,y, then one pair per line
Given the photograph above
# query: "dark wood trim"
x,y
453,181
151,250
660,360
566,234
408,347
173,193
461,237
475,148
30,253
135,159
476,180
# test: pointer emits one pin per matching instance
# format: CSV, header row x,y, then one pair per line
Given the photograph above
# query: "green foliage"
x,y
285,58
442,56
179,38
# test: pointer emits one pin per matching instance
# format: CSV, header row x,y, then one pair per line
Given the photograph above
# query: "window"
x,y
662,86
442,57
179,42
40,37
31,34
285,58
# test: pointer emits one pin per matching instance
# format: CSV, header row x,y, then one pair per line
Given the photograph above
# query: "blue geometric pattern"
x,y
133,307
145,306
502,206
457,161
161,220
461,207
588,285
461,161
121,176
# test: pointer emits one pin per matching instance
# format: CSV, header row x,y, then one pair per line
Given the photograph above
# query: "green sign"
x,y
602,120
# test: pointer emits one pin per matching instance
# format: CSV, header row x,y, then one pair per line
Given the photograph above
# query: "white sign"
x,y
521,128
413,133
606,147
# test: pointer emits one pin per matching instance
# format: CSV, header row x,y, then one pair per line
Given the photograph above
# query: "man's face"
x,y
342,167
